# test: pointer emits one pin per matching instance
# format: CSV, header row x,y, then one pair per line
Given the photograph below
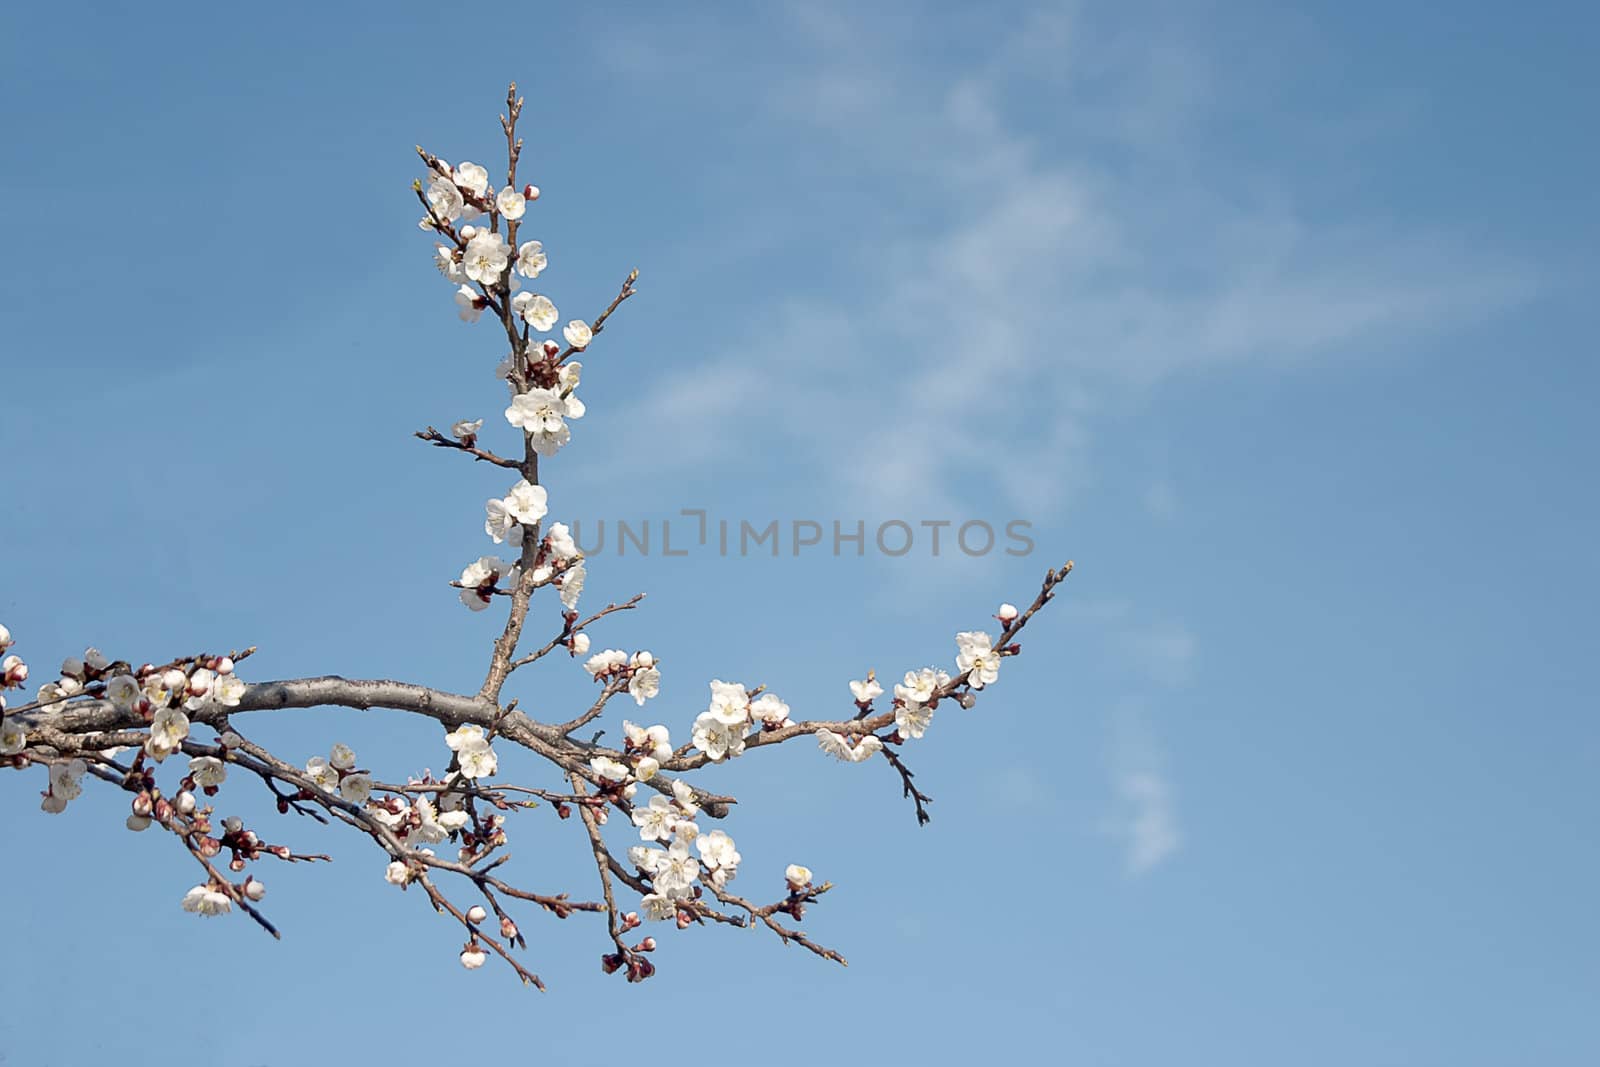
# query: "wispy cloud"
x,y
1051,237
1146,819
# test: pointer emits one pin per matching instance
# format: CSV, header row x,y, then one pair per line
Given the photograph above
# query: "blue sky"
x,y
1277,319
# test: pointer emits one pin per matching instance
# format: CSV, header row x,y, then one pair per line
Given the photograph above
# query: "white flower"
x,y
976,655
473,178
342,756
466,428
207,771
657,907
445,199
572,586
608,769
656,820
580,644
511,203
5,639
123,691
206,900
562,546
716,849
95,660
716,738
322,773
473,957
167,731
397,873
676,872
527,503
228,690
66,780
452,821
602,662
578,334
645,768
71,667
768,709
653,741
644,684
485,257
159,688
866,690
842,748
478,762
468,304
730,704
445,259
13,738
500,524
912,719
683,793
542,415
356,788
482,574
1007,613
645,858
797,876
468,735
531,259
537,311
918,686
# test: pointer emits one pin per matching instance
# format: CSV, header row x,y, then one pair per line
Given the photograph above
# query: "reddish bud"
x,y
610,962
647,945
530,192
210,846
508,929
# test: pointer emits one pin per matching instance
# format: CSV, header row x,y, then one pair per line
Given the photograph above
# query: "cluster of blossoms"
x,y
672,871
474,757
336,773
719,731
644,677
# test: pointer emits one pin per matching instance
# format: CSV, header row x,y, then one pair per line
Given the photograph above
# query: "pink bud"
x,y
631,920
508,929
684,920
551,349
143,805
236,865
530,192
647,945
210,846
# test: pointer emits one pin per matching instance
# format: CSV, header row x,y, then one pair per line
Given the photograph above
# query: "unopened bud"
x,y
254,890
185,803
1006,613
476,914
966,700
143,805
508,929
551,349
224,665
236,864
530,192
136,823
210,846
647,945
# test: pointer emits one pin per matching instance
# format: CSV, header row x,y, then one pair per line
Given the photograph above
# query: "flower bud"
x,y
508,929
236,864
185,803
143,805
1006,613
967,700
551,349
13,672
137,823
5,639
631,920
224,665
797,876
210,846
530,192
647,945
254,889
476,914
473,957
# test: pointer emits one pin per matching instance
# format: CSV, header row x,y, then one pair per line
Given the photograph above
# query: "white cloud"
x,y
1146,820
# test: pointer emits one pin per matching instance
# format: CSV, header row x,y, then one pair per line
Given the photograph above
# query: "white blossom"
x,y
342,756
526,502
542,415
572,585
770,710
976,654
13,672
683,793
536,310
912,719
322,773
123,691
716,849
730,703
645,683
500,524
206,900
676,872
482,574
562,546
356,788
468,304
645,858
397,873
473,178
918,686
478,762
485,257
658,907
797,876
207,771
866,690
602,662
655,820
531,259
842,748
95,660
5,639
167,731
511,203
717,739
466,428
653,741
66,780
578,334
608,769
580,644
444,199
